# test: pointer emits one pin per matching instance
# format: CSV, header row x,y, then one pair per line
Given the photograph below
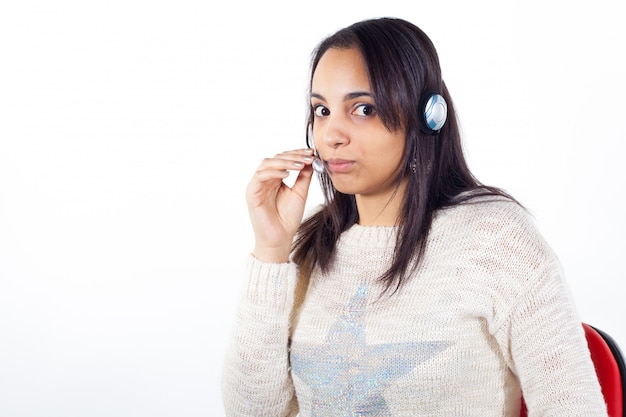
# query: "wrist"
x,y
272,255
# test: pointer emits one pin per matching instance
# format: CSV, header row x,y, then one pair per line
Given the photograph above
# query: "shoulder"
x,y
487,215
497,242
499,228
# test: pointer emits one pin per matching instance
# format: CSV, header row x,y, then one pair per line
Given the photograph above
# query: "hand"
x,y
275,209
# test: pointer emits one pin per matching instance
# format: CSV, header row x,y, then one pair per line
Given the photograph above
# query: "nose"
x,y
334,131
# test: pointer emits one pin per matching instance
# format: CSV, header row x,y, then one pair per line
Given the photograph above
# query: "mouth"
x,y
339,166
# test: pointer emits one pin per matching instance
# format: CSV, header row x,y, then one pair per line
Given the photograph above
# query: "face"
x,y
362,157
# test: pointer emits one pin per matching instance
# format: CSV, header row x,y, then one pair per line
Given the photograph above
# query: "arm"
x,y
550,353
256,378
540,332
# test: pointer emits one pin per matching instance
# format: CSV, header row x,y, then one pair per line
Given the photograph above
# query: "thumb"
x,y
303,182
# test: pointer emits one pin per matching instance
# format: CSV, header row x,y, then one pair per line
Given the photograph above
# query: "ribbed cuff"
x,y
270,284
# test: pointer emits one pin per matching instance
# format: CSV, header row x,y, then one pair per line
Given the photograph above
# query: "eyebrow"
x,y
349,96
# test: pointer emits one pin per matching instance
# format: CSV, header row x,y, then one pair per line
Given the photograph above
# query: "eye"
x,y
364,110
320,111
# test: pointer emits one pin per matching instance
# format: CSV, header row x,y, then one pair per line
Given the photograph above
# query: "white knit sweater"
x,y
487,311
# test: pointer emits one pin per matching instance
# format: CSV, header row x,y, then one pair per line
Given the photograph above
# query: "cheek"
x,y
386,162
392,150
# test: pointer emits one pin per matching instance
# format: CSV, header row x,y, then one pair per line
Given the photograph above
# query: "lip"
x,y
337,165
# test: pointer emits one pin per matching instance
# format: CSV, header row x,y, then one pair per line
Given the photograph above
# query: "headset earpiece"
x,y
435,113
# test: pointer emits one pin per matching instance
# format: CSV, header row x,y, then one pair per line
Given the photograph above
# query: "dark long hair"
x,y
403,66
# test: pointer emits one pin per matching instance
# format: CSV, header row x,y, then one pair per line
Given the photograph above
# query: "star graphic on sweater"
x,y
346,375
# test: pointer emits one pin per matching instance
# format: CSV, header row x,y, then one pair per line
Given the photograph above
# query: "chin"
x,y
345,190
350,190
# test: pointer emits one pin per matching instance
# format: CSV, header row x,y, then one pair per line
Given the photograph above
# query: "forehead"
x,y
342,69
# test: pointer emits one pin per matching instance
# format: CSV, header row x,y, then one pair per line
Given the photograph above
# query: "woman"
x,y
414,290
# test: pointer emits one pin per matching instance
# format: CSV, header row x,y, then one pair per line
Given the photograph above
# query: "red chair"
x,y
609,363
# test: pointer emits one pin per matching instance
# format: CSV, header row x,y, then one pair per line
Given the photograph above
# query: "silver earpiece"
x,y
435,113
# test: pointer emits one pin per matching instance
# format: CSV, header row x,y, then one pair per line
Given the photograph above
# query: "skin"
x,y
361,156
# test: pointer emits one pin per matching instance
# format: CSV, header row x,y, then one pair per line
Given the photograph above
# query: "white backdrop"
x,y
128,132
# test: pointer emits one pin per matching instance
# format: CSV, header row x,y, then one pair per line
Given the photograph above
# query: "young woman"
x,y
414,290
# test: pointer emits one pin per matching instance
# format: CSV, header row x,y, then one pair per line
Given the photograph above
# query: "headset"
x,y
434,115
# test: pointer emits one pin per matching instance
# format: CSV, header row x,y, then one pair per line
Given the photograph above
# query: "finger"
x,y
297,152
303,181
272,171
290,160
278,167
269,174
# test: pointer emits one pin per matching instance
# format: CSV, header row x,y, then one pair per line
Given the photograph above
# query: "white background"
x,y
128,132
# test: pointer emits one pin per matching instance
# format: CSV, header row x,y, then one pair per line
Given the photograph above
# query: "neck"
x,y
381,209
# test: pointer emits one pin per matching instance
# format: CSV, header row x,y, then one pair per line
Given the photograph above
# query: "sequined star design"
x,y
346,375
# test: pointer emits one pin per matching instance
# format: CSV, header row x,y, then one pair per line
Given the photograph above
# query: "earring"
x,y
413,166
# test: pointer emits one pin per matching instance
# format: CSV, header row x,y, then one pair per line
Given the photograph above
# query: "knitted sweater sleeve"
x,y
541,333
255,378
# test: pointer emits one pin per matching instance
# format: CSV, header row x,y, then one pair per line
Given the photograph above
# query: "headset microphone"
x,y
318,165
